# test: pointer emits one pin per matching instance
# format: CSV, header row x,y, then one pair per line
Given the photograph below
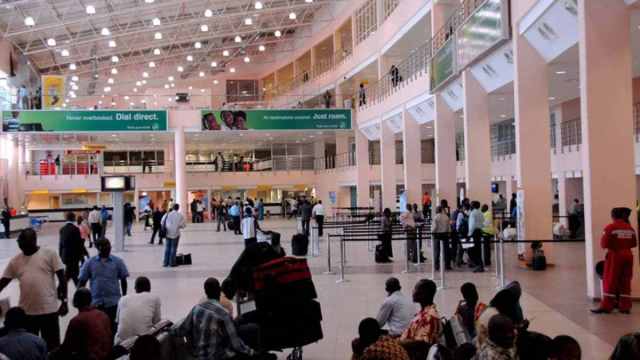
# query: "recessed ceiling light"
x,y
144,82
135,90
156,21
503,116
238,39
170,78
99,102
180,69
145,74
189,57
214,64
292,15
90,9
258,5
278,33
204,28
107,89
126,97
308,1
74,78
197,45
166,86
247,59
113,104
114,59
152,64
110,80
51,42
208,13
201,90
215,82
225,53
156,51
190,87
105,31
248,21
64,52
72,66
28,21
561,72
112,43
551,98
149,1
114,71
201,74
262,48
138,83
232,70
173,85
157,36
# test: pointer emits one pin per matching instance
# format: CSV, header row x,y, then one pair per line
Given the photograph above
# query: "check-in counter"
x,y
20,222
57,214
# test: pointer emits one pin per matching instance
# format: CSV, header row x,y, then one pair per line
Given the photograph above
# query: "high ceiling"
x,y
150,36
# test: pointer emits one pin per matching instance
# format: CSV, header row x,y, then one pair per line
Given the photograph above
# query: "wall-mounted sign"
x,y
486,28
52,91
443,65
287,119
84,121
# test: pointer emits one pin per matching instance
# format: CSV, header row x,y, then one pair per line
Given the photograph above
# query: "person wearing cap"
x,y
618,239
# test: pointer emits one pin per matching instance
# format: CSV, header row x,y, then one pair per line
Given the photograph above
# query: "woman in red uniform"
x,y
618,238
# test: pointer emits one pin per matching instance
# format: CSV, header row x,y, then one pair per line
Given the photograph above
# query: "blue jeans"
x,y
170,249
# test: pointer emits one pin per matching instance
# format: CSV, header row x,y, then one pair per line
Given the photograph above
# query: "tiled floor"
x,y
554,300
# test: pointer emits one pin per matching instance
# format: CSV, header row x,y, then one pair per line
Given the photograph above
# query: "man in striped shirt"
x,y
210,330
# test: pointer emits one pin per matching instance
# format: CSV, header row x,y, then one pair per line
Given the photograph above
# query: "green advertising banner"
x,y
287,119
443,64
486,28
88,120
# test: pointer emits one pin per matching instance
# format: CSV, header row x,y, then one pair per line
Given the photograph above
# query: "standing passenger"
x,y
173,222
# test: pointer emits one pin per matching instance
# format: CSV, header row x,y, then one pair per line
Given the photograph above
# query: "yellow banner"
x,y
229,188
300,187
79,191
40,192
93,147
169,184
52,91
264,188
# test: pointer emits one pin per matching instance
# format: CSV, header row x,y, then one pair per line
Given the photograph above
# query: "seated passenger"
x,y
374,345
146,347
506,302
470,308
397,310
137,313
426,326
210,331
500,345
564,347
89,333
19,343
628,347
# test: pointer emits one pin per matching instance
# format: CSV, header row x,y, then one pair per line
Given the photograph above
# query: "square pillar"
x,y
362,169
388,166
477,140
181,170
562,199
533,157
412,158
606,106
445,152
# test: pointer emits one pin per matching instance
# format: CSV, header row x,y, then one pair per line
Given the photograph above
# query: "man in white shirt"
x,y
35,269
137,313
397,310
94,222
318,215
249,227
172,222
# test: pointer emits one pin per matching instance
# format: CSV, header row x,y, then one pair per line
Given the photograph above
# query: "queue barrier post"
x,y
496,251
501,253
406,257
329,271
418,242
315,242
433,263
341,279
442,263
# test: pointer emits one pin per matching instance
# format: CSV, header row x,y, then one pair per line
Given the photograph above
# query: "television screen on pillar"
x,y
287,119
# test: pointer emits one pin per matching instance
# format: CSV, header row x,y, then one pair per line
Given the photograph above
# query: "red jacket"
x,y
618,236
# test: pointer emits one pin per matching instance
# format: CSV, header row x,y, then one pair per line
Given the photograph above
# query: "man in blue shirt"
x,y
476,223
234,213
18,343
108,274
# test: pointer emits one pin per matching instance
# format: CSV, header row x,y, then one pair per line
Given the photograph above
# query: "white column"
x,y
533,161
562,198
181,171
14,178
411,147
388,166
477,140
445,152
606,106
362,169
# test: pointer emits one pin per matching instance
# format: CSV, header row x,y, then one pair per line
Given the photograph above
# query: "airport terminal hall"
x,y
320,180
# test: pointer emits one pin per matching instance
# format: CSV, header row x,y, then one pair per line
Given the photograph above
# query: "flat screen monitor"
x,y
117,183
495,188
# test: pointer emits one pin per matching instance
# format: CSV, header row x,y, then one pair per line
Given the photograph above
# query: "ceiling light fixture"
x,y
238,39
157,36
105,31
225,53
308,1
166,86
551,98
51,42
189,57
74,78
173,85
138,83
208,13
114,71
64,52
72,66
107,89
201,74
156,21
180,69
214,64
262,48
215,82
278,33
90,9
248,21
152,64
204,28
144,82
156,51
197,45
247,59
112,43
115,59
232,70
292,16
135,90
28,21
149,1
170,78
258,5
561,72
126,97
145,74
110,80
